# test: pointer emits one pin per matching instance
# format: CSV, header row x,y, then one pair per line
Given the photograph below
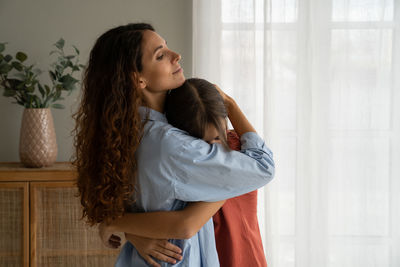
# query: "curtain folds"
x,y
319,79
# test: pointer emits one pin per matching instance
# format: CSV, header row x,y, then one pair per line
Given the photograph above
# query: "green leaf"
x,y
68,82
52,76
67,78
37,101
41,90
5,68
29,68
17,65
70,64
75,68
59,70
29,102
76,50
1,57
82,66
60,44
21,86
30,89
47,89
21,56
8,58
58,106
64,64
3,47
70,57
56,95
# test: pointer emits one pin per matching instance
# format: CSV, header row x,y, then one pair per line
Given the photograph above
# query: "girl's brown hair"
x,y
108,126
194,105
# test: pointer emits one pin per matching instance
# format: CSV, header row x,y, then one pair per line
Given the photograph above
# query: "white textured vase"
x,y
37,143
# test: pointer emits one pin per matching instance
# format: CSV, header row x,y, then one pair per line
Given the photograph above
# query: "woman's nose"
x,y
175,57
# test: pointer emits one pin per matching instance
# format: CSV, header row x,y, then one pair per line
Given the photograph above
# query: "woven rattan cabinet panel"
x,y
40,222
13,224
58,236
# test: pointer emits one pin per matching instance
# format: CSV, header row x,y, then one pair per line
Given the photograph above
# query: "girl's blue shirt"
x,y
175,168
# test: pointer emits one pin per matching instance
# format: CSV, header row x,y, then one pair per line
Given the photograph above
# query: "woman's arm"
x,y
182,224
149,232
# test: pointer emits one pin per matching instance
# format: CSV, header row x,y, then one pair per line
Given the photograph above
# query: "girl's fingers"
x,y
150,261
162,257
169,253
220,91
169,246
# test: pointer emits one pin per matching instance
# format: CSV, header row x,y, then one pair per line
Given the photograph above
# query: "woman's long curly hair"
x,y
108,125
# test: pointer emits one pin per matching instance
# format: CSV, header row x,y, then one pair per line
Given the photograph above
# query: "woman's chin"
x,y
179,82
182,81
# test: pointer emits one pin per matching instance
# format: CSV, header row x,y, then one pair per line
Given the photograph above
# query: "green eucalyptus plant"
x,y
20,80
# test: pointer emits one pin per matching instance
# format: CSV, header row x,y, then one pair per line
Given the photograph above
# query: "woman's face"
x,y
161,70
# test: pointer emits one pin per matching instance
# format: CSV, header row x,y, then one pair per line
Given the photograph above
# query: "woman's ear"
x,y
141,82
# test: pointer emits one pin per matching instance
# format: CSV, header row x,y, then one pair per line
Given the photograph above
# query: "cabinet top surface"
x,y
15,171
17,166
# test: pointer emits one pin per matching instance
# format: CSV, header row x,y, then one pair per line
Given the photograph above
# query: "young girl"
x,y
198,108
127,155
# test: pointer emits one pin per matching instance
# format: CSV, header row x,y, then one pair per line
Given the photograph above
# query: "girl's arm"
x,y
159,249
235,114
181,224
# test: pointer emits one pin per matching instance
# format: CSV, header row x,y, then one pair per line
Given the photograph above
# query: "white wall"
x,y
33,26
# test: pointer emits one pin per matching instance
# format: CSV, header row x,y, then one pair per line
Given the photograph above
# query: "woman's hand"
x,y
110,239
159,249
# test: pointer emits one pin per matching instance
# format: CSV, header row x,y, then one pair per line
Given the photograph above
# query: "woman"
x,y
197,108
127,155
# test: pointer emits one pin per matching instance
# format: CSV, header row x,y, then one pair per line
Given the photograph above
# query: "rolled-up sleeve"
x,y
204,172
254,147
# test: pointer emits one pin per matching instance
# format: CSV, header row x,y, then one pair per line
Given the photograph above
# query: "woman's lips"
x,y
177,71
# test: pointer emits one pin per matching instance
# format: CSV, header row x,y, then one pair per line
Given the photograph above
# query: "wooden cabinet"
x,y
40,220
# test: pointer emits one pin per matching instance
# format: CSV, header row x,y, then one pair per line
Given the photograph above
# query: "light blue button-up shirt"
x,y
175,168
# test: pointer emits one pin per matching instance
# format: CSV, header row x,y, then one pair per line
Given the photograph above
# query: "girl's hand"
x,y
235,115
227,99
110,239
159,249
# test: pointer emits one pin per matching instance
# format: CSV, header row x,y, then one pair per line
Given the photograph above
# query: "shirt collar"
x,y
151,114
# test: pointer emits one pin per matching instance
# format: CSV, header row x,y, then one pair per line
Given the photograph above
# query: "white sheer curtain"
x,y
320,80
